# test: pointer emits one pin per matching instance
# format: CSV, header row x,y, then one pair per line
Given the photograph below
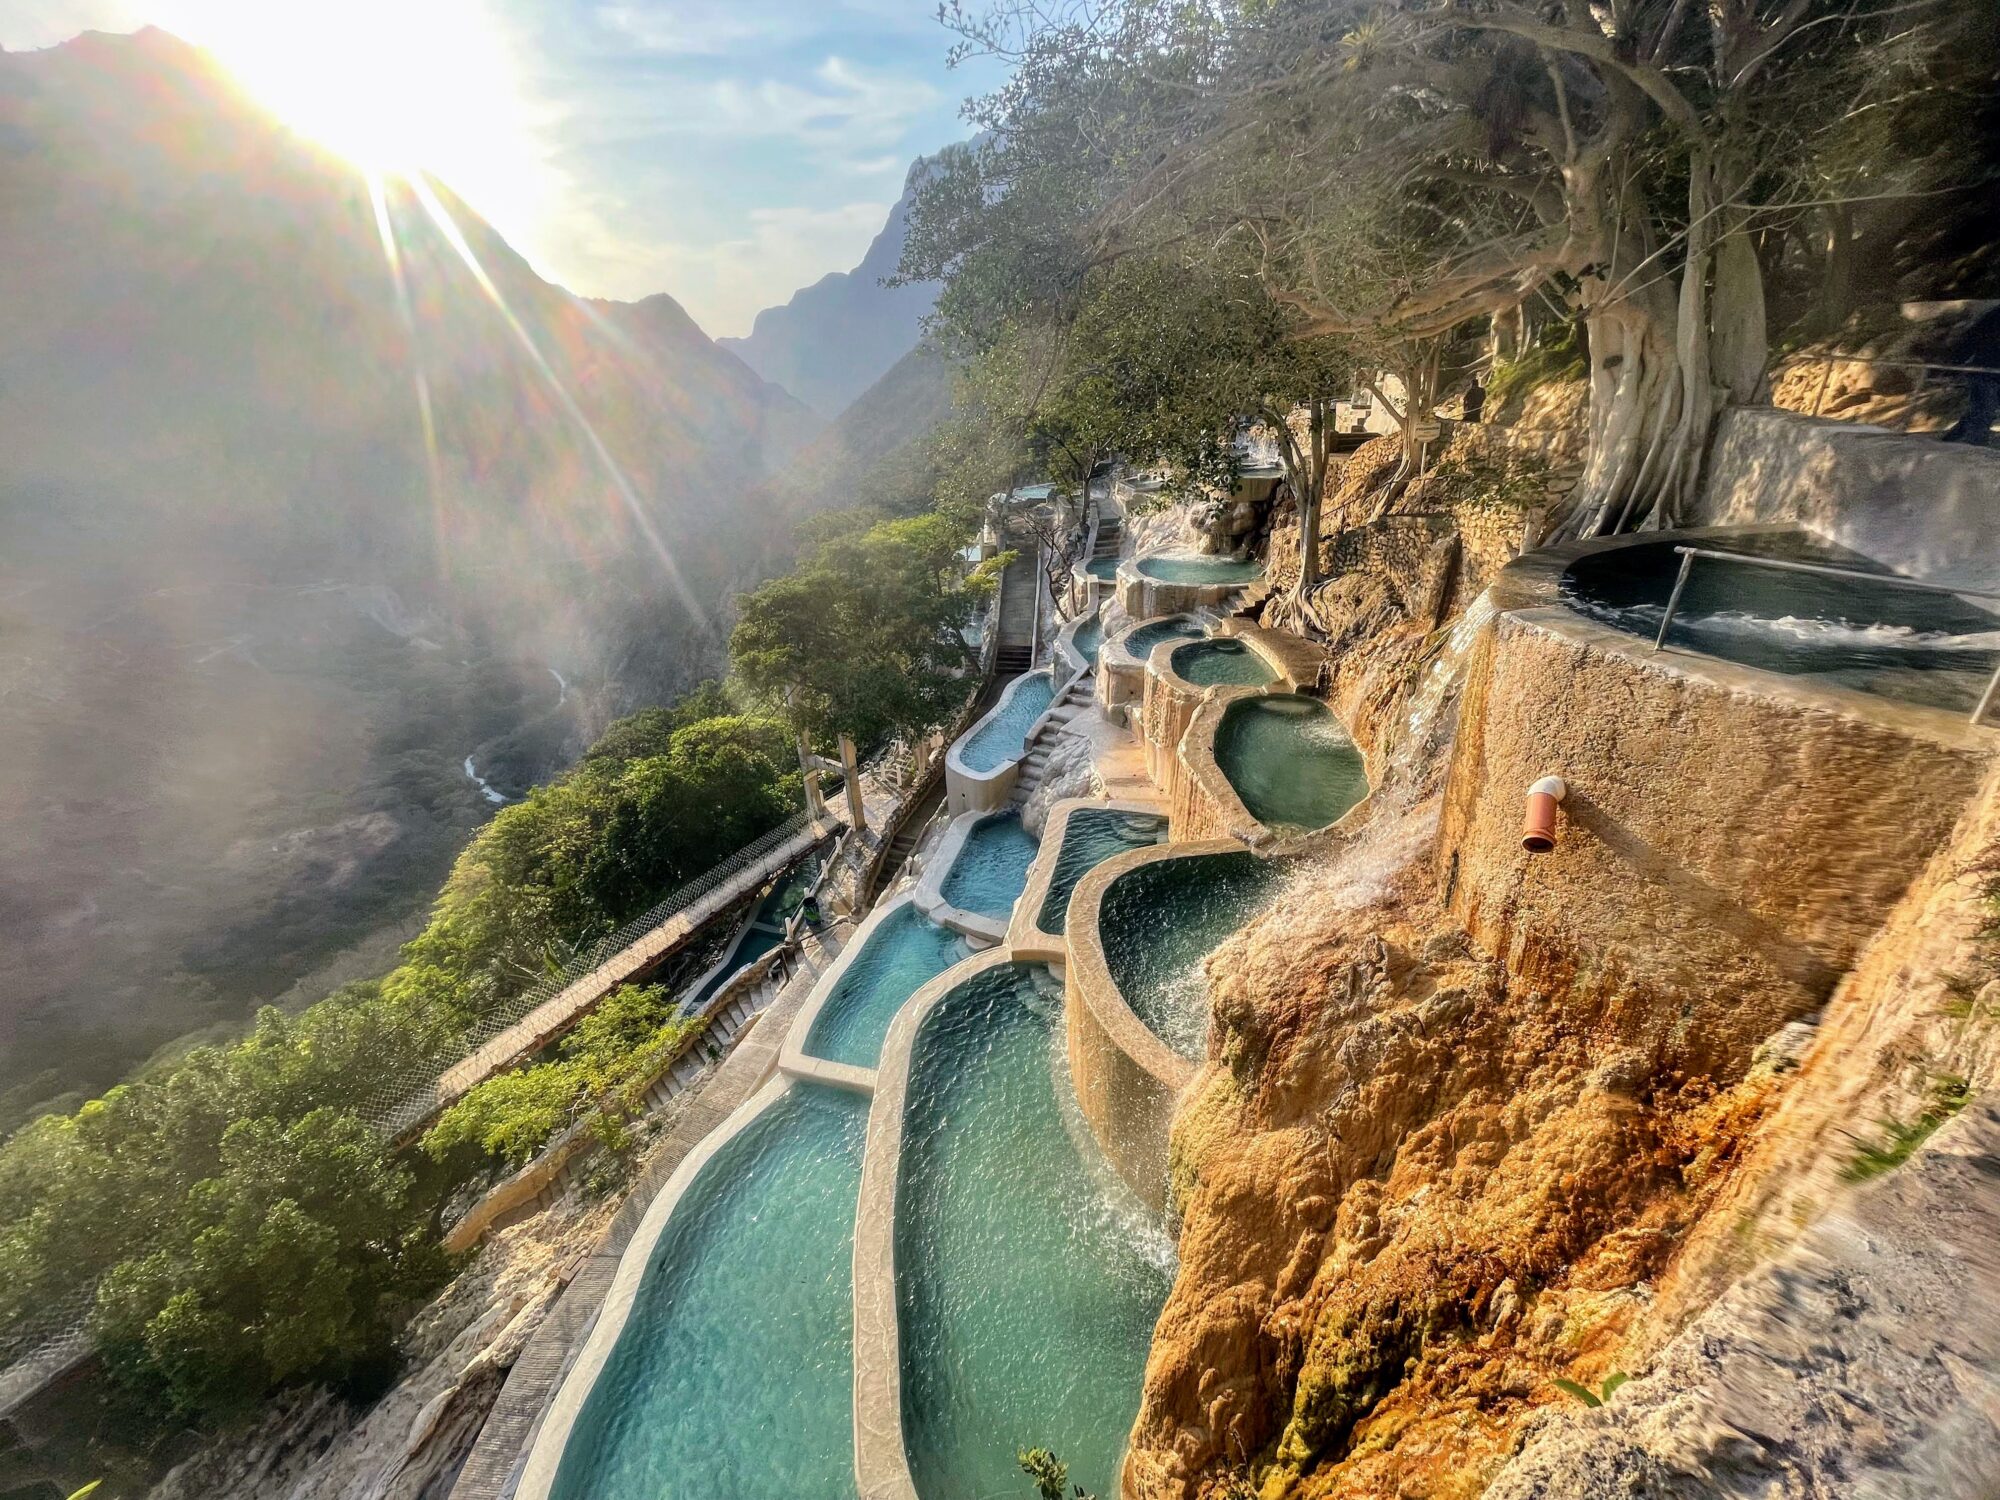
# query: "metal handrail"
x,y
1824,570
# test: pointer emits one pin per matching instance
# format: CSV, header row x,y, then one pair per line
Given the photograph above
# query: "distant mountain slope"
x,y
251,624
840,335
875,450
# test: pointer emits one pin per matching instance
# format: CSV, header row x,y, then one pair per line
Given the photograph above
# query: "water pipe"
x,y
1538,834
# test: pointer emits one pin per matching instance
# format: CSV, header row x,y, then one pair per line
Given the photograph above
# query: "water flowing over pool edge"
x,y
1247,729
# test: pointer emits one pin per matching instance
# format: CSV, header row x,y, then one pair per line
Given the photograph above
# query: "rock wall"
x,y
1716,842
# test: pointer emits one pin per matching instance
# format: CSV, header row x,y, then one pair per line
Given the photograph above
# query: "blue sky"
x,y
727,153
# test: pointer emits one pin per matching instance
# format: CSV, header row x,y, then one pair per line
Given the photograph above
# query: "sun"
x,y
393,87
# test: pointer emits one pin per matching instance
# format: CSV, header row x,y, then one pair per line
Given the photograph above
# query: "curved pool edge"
x,y
1168,701
1066,647
928,894
881,1461
558,1421
1205,804
793,1059
1142,595
1030,942
1128,1081
967,790
1121,673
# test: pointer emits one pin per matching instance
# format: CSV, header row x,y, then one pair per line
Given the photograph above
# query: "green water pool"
x,y
734,1373
991,867
1290,760
1189,569
1091,836
905,951
1102,567
1028,1278
1140,642
1160,921
1089,638
1221,662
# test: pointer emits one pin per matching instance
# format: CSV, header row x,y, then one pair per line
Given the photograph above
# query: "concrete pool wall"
x,y
1127,1080
1204,804
1121,671
1727,831
970,790
1169,700
1025,934
1143,597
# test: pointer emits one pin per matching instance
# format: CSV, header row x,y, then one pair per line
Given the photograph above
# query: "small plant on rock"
x,y
1597,1397
1050,1474
1946,1096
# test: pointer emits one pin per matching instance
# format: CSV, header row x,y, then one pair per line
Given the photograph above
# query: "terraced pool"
x,y
1290,760
1090,837
991,867
905,950
1000,738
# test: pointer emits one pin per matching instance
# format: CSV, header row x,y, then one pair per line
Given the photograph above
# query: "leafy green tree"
x,y
289,1263
867,636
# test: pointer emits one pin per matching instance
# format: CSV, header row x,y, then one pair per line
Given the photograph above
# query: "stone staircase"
x,y
1240,601
1110,535
1035,764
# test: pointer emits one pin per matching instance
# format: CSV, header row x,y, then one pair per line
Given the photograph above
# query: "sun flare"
x,y
394,87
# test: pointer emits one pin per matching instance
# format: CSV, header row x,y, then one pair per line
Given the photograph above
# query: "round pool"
x,y
1290,760
1189,568
1158,922
1923,648
1141,641
1221,661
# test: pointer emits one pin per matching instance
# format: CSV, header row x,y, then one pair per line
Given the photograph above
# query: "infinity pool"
x,y
1221,662
1189,569
905,950
1930,649
992,867
1290,761
734,1374
1160,921
1090,837
1028,1278
1000,738
1140,642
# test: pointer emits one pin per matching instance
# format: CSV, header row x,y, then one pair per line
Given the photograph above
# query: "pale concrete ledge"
x,y
1121,675
832,1074
928,896
881,1463
1029,941
1127,1080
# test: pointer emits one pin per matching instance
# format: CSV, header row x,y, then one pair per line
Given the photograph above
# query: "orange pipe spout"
x,y
1538,834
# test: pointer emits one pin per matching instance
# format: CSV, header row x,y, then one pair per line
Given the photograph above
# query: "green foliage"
x,y
867,636
599,1070
243,1227
1557,355
1946,1095
1050,1475
1589,1397
288,1263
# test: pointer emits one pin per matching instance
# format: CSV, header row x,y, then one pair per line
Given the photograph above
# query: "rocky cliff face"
x,y
840,335
1420,1181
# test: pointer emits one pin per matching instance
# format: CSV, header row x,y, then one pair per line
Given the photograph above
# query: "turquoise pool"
x,y
1290,761
1028,1279
734,1374
1189,569
1090,837
1221,662
991,868
1160,921
1102,567
1140,642
1089,637
905,951
999,739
